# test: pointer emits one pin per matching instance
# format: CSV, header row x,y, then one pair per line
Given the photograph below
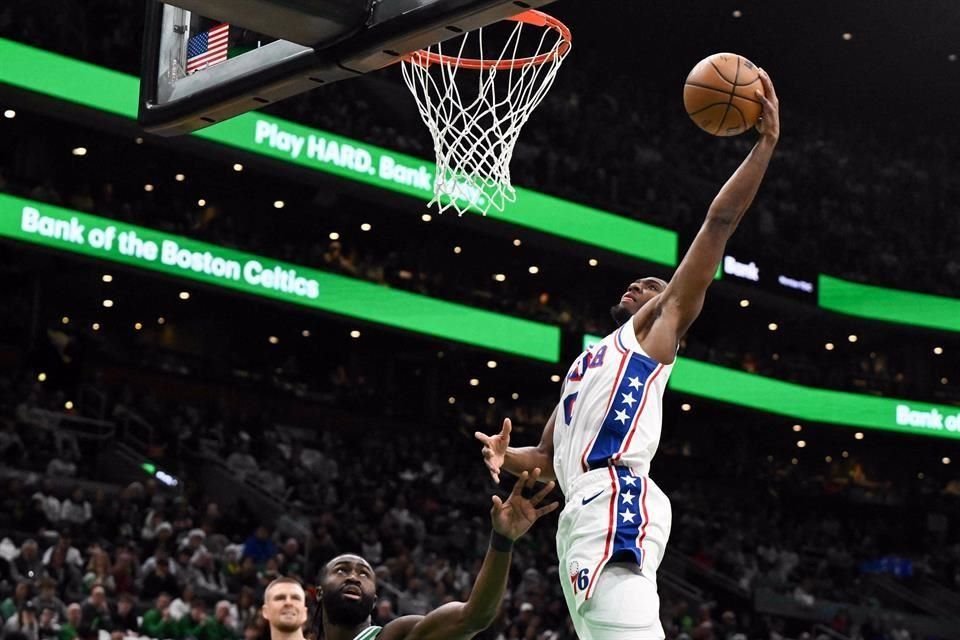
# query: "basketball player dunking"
x,y
603,434
347,592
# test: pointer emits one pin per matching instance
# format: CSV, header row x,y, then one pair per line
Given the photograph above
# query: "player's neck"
x,y
337,632
276,634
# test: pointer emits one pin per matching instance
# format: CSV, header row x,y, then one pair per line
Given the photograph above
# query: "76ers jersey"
x,y
611,409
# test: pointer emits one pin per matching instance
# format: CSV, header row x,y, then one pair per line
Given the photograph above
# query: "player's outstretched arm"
x,y
499,455
682,300
510,519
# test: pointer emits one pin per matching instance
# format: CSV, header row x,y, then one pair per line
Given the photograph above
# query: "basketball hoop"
x,y
475,124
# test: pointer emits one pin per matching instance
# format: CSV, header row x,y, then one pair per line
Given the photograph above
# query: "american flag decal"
x,y
208,48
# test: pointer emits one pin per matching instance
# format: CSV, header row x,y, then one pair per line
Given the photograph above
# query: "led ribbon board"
x,y
890,305
117,93
810,403
104,239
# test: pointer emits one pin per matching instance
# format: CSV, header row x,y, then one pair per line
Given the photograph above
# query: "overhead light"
x,y
79,151
451,400
737,13
238,167
829,459
305,333
278,204
491,364
499,277
685,407
354,334
440,355
845,454
592,262
858,435
491,400
794,461
179,177
852,337
829,346
65,320
516,242
797,428
366,226
161,320
107,277
801,444
920,475
515,395
138,326
95,326
847,36
555,378
773,326
108,303
944,380
938,350
474,382
68,405
945,460
426,217
457,250
534,269
9,114
334,235
744,303
273,340
201,202
138,140
184,295
148,187
41,377
952,57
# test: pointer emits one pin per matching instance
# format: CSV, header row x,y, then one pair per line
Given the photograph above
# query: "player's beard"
x,y
347,613
620,314
287,628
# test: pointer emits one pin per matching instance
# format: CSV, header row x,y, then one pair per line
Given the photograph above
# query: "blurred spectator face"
x,y
28,616
124,606
29,550
291,547
46,617
98,597
251,632
198,611
74,615
47,588
223,611
163,601
262,532
22,592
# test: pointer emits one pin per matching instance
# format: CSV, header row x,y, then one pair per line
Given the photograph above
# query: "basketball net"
x,y
475,124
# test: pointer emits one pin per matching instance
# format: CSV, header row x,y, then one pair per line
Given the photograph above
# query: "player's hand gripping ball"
x,y
720,94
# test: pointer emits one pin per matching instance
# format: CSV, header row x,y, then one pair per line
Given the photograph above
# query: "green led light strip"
x,y
179,257
98,88
891,305
810,403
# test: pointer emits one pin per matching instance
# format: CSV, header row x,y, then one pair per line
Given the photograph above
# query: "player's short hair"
x,y
281,580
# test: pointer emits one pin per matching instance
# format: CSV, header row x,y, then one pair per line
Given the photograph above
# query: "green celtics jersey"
x,y
369,633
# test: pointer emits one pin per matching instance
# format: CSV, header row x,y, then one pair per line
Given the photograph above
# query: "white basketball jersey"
x,y
611,409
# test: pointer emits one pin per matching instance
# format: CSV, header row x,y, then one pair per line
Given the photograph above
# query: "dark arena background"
x,y
223,360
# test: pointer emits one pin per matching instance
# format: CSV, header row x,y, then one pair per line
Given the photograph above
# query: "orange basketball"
x,y
719,94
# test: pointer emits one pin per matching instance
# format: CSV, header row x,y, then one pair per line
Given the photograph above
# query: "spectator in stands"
x,y
240,461
220,626
75,510
260,547
292,563
193,542
99,571
27,565
159,580
47,626
157,622
96,610
180,606
205,578
47,597
64,547
124,618
245,611
15,601
69,629
24,622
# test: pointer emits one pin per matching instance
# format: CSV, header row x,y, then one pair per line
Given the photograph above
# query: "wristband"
x,y
500,542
